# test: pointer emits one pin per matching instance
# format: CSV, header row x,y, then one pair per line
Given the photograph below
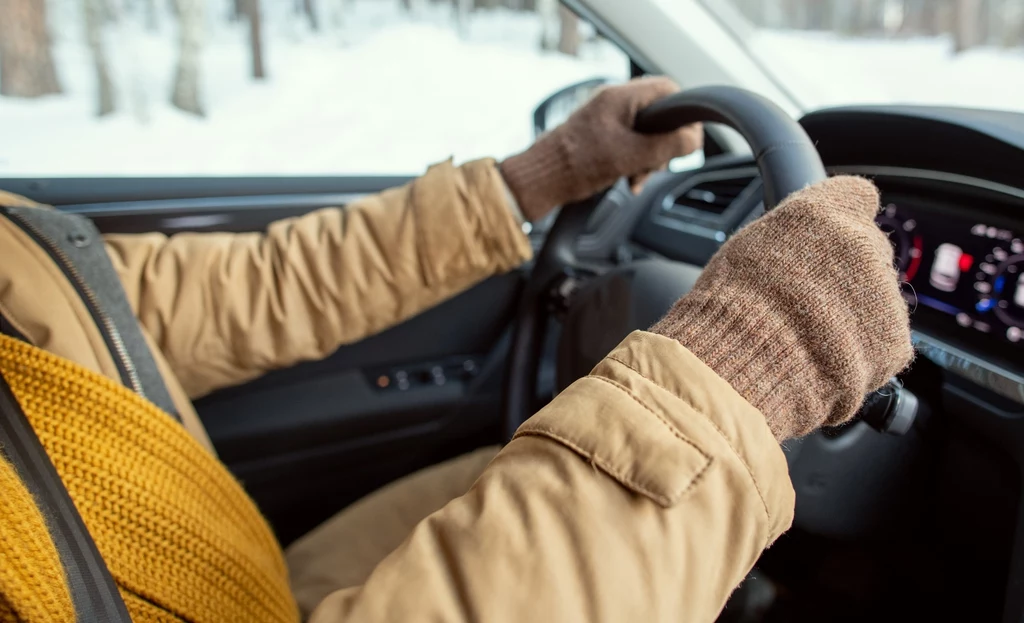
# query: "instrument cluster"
x,y
963,272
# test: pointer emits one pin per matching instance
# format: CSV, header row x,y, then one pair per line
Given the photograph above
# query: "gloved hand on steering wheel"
x,y
801,311
596,146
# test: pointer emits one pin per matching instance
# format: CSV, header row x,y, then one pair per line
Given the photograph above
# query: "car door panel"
x,y
308,440
332,416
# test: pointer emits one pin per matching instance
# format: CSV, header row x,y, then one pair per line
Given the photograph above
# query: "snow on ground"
x,y
388,94
824,70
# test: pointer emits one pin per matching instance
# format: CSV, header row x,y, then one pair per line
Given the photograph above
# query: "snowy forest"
x,y
970,23
27,67
192,87
388,86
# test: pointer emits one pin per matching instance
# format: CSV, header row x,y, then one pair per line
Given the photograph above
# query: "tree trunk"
x,y
931,18
945,16
462,9
1013,24
869,16
569,35
824,15
1002,19
844,17
111,11
94,19
185,93
966,24
26,62
795,14
335,17
918,18
819,14
309,8
252,10
985,18
547,12
752,10
152,20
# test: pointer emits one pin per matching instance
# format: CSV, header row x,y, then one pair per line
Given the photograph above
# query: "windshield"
x,y
836,52
280,87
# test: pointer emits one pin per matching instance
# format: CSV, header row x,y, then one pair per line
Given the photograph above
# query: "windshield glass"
x,y
280,87
835,52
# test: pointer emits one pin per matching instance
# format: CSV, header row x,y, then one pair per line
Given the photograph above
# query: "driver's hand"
x,y
595,147
801,311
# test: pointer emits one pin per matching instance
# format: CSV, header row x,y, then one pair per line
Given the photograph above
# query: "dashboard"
x,y
952,184
961,259
952,203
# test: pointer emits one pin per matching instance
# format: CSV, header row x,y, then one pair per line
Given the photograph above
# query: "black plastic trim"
x,y
220,214
93,591
987,145
61,191
674,239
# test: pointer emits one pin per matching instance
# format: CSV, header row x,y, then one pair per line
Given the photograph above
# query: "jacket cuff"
x,y
513,205
465,227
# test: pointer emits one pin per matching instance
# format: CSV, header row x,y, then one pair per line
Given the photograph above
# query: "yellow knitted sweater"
x,y
180,536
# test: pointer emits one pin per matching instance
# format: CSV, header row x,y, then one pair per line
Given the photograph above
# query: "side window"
x,y
287,87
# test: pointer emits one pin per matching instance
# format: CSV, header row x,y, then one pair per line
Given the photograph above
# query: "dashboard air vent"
x,y
712,196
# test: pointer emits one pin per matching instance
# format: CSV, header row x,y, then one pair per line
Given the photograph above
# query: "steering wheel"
x,y
785,156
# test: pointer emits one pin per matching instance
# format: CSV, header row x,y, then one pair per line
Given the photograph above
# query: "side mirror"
x,y
554,110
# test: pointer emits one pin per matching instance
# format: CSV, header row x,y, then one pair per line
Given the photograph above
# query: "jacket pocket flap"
x,y
621,435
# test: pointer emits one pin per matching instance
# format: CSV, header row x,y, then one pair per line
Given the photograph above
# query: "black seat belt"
x,y
93,591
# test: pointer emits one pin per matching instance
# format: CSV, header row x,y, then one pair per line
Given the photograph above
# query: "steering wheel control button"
x,y
891,409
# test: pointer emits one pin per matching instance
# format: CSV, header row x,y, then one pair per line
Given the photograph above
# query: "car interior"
x,y
910,512
888,526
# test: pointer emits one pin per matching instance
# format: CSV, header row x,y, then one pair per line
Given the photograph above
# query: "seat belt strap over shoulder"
x,y
93,591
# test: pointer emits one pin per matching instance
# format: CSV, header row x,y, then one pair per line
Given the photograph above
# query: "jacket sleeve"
x,y
644,492
225,308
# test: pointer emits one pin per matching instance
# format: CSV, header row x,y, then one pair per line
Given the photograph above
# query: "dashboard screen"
x,y
965,274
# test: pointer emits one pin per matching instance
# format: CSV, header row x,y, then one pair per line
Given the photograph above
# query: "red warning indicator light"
x,y
966,261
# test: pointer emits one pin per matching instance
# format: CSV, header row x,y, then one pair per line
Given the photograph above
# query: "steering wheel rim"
x,y
785,155
787,161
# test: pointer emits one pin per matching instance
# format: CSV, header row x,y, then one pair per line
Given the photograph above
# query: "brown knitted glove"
x,y
801,311
595,147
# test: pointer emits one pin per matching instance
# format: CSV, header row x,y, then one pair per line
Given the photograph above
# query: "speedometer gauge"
x,y
1000,285
907,243
962,272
